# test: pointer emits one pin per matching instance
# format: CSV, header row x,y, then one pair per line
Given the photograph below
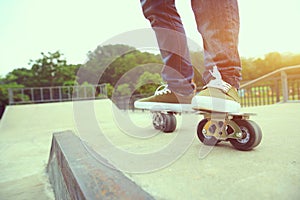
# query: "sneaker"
x,y
165,99
217,96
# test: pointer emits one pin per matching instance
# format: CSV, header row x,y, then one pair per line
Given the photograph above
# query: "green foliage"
x,y
112,62
123,90
116,62
51,70
99,60
253,68
110,90
4,92
139,71
127,62
68,89
85,90
21,76
148,82
21,97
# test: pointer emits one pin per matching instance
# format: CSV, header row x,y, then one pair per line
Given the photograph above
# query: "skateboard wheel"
x,y
157,121
207,140
251,133
164,122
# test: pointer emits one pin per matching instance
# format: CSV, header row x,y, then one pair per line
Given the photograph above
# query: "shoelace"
x,y
218,82
163,89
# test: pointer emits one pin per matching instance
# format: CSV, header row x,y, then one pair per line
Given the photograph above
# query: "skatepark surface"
x,y
192,171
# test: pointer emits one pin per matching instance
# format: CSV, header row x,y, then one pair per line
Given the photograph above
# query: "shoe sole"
x,y
157,106
215,104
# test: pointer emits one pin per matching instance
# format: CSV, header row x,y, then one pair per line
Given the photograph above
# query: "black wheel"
x,y
157,121
207,140
252,135
164,122
169,123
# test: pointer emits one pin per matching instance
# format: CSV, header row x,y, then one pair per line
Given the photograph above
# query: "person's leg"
x,y
177,71
218,23
171,38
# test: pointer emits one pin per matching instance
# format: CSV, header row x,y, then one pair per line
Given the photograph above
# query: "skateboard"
x,y
236,128
243,133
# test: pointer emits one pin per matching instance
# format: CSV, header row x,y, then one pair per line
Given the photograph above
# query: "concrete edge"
x,y
75,174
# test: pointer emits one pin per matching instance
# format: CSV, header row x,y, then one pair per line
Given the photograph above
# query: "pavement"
x,y
167,166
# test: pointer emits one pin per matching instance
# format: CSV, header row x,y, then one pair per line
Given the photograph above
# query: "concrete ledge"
x,y
75,174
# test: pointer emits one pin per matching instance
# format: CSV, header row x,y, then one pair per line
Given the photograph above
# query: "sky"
x,y
29,27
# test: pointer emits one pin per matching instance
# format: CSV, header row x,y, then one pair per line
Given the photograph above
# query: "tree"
x,y
274,61
52,70
112,62
148,82
66,73
85,90
123,90
110,90
20,76
99,60
4,97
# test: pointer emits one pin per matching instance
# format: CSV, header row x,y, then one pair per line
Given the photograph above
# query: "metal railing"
x,y
274,87
277,86
56,94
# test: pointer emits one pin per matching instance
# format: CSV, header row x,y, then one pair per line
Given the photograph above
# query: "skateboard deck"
x,y
229,115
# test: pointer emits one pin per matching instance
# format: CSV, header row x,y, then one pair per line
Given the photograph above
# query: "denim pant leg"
x,y
218,23
172,42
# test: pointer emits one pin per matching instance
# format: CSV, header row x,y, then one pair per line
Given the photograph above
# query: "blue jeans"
x,y
217,22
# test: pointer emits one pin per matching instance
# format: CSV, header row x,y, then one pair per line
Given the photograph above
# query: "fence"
x,y
277,86
56,94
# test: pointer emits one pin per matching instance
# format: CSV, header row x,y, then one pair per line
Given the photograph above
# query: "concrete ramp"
x,y
25,142
270,171
75,174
